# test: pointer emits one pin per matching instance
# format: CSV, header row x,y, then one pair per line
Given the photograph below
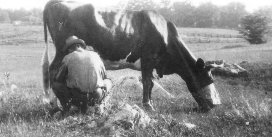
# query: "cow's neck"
x,y
182,62
188,73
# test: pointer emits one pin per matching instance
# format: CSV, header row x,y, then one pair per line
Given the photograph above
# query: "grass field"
x,y
246,108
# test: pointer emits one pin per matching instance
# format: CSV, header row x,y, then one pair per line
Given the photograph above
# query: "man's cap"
x,y
73,40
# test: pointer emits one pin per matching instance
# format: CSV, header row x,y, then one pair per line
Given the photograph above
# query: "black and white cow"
x,y
143,37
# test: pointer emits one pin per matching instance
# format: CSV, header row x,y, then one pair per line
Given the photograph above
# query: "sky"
x,y
251,5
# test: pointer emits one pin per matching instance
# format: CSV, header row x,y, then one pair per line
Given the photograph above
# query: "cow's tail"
x,y
45,61
45,71
45,27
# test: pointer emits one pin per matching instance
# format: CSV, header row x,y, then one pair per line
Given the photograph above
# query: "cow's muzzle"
x,y
208,97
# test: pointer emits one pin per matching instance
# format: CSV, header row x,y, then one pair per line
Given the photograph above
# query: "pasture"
x,y
246,108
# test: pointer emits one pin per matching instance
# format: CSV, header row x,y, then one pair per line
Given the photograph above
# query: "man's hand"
x,y
62,73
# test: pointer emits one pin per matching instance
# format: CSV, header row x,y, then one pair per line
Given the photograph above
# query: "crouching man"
x,y
81,79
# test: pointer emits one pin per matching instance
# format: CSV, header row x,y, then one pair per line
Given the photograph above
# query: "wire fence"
x,y
212,35
212,38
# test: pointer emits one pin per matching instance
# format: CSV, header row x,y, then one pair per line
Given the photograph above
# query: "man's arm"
x,y
62,73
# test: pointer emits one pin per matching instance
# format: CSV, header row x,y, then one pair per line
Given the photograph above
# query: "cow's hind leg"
x,y
148,84
52,72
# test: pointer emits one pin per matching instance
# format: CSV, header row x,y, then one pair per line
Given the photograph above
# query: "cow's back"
x,y
154,23
114,37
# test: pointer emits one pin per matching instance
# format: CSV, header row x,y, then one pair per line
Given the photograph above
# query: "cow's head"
x,y
202,87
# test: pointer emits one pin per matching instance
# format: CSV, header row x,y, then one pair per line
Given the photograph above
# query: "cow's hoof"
x,y
131,59
54,110
148,106
57,115
206,109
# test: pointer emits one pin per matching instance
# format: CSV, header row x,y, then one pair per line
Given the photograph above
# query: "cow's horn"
x,y
216,65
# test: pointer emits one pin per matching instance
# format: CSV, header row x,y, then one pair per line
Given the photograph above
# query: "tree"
x,y
231,14
18,14
266,11
4,16
36,13
254,27
165,9
141,5
206,15
184,14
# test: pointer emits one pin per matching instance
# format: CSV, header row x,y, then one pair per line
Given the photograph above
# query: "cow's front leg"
x,y
147,88
147,84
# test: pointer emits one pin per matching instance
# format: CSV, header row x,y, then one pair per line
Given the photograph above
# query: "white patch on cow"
x,y
137,64
210,92
161,25
100,20
72,5
124,64
117,17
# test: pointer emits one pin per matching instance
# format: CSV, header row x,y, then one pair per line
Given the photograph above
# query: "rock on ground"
x,y
227,69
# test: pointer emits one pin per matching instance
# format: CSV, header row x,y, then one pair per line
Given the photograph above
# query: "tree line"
x,y
33,16
253,26
205,15
183,14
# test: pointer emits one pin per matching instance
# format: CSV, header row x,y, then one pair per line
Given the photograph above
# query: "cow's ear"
x,y
200,64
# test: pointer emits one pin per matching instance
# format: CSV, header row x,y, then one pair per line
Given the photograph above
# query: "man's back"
x,y
86,70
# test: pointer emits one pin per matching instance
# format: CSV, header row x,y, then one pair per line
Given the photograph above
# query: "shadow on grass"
x,y
180,106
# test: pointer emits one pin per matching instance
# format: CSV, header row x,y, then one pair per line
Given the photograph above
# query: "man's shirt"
x,y
83,70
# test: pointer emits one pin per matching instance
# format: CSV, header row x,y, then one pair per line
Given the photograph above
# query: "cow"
x,y
143,38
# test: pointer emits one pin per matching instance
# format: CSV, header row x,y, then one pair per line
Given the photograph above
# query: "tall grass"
x,y
246,108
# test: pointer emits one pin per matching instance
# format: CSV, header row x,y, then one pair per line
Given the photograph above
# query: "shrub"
x,y
253,28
